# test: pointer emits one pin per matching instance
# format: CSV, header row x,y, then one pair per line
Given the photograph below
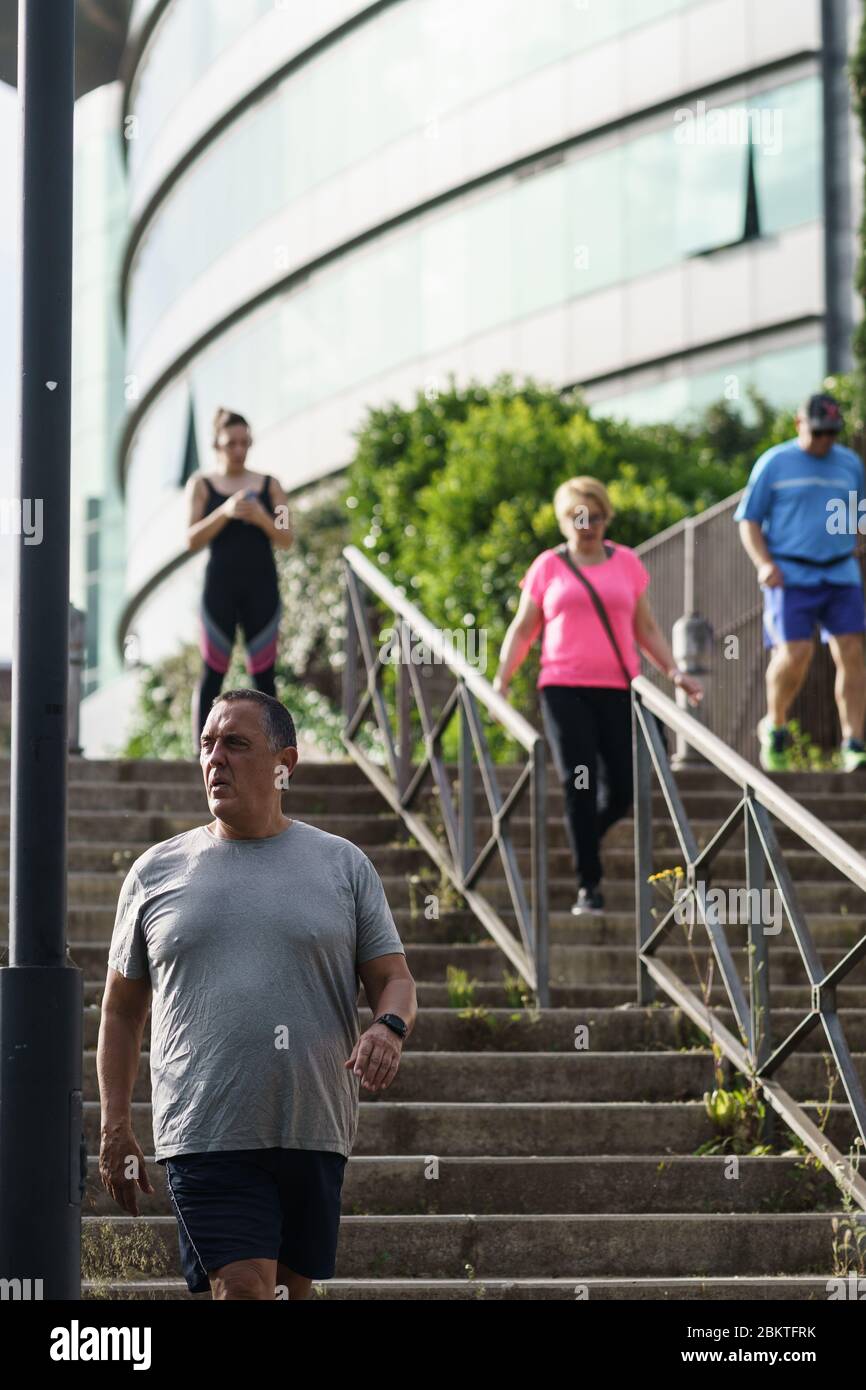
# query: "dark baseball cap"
x,y
823,413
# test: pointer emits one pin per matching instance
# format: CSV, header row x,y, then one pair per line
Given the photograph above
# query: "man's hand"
x,y
376,1057
770,575
121,1166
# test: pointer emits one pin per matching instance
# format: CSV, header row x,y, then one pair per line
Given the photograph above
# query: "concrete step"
x,y
630,1029
186,798
521,1129
814,895
101,867
752,1289
567,1077
559,1245
345,771
310,795
574,996
569,964
340,772
146,827
401,1185
95,923
151,827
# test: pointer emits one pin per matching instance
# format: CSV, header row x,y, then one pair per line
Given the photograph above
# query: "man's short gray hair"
x,y
277,723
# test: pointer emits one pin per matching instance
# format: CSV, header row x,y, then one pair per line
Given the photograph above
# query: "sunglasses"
x,y
581,519
823,434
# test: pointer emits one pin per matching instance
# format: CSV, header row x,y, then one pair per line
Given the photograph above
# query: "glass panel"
x,y
788,164
389,77
783,377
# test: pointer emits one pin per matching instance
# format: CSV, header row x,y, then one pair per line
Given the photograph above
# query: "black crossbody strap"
x,y
563,553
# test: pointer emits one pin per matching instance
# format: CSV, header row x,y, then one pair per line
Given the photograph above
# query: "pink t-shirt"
x,y
575,649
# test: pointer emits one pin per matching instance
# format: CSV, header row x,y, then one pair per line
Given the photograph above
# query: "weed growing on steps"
x,y
461,990
738,1117
849,1231
811,1187
737,1113
518,994
111,1255
806,756
480,1015
796,1144
426,884
480,1289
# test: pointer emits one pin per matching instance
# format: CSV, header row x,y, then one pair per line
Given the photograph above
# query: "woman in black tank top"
x,y
233,512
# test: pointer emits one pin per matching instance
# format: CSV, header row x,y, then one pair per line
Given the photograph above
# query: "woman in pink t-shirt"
x,y
584,685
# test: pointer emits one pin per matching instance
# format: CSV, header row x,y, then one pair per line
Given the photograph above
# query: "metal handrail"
x,y
457,857
755,1054
727,504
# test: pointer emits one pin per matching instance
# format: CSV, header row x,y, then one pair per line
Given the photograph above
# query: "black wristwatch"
x,y
394,1022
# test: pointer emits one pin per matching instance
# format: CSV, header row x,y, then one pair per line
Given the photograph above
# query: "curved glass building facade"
x,y
331,206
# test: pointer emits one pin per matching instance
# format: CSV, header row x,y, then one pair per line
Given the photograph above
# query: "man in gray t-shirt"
x,y
251,936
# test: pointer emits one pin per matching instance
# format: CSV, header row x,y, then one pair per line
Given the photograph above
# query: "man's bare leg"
x,y
298,1285
786,673
247,1279
848,653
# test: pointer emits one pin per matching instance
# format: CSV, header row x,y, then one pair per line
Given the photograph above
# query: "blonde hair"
x,y
565,500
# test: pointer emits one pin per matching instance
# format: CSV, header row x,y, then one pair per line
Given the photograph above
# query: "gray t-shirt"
x,y
252,947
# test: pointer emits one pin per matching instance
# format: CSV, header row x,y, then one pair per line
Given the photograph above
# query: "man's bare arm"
x,y
389,987
755,546
125,1004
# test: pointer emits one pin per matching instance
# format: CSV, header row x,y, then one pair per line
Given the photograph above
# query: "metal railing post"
x,y
642,771
466,810
404,699
761,1038
350,668
540,920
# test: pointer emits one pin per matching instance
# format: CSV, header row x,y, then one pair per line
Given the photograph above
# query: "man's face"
x,y
242,774
815,442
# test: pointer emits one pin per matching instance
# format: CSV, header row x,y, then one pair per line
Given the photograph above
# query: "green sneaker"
x,y
776,745
853,755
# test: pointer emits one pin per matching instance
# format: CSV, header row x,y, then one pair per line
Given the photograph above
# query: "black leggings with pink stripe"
x,y
255,607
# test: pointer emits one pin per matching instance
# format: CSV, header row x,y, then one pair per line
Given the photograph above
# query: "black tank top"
x,y
239,543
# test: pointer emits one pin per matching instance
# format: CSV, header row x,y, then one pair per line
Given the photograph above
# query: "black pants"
x,y
251,600
585,724
210,683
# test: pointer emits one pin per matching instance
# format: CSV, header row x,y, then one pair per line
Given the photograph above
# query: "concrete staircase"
x,y
503,1162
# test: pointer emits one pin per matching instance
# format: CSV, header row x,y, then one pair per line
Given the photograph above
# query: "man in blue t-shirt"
x,y
798,522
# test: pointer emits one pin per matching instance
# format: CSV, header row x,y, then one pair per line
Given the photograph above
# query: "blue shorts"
x,y
791,612
267,1204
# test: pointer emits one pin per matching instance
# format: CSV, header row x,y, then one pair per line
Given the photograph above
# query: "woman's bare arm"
x,y
525,626
201,529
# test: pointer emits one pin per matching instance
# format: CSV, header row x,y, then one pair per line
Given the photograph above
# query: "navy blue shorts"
x,y
792,611
266,1204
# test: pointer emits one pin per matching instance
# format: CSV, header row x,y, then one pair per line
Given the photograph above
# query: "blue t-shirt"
x,y
808,506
